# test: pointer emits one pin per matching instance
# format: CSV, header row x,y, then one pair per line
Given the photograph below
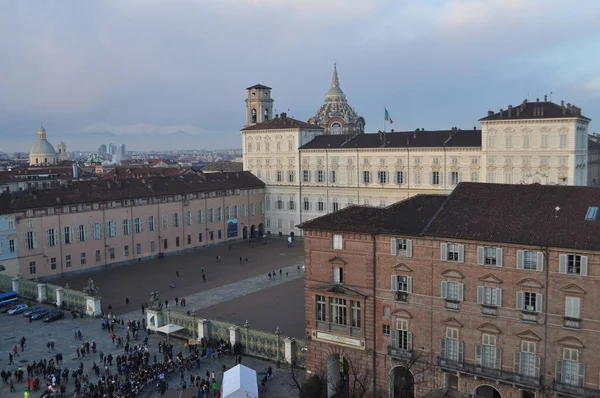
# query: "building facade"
x,y
9,244
98,223
310,171
490,292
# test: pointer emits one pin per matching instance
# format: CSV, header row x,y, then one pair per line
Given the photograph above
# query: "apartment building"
x,y
490,291
97,223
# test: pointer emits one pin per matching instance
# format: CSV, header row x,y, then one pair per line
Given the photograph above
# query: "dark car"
x,y
31,310
54,316
40,314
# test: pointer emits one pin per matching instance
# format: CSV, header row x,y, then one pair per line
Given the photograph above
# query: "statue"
x,y
155,303
91,289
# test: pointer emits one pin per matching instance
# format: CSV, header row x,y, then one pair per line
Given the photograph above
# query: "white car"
x,y
17,309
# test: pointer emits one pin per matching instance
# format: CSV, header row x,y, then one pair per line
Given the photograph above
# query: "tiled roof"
x,y
400,139
282,123
126,188
536,110
408,217
520,214
223,165
259,86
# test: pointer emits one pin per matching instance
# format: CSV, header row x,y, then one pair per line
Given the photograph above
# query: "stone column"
x,y
290,350
203,325
15,285
92,306
59,296
154,319
234,334
42,293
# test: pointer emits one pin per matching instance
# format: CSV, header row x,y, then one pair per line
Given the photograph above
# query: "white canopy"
x,y
170,328
240,382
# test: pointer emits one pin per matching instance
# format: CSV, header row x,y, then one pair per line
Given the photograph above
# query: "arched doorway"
x,y
486,392
337,376
402,383
245,232
261,229
253,231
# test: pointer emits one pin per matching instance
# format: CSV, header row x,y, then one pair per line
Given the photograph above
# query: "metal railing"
x,y
573,390
399,353
572,323
339,329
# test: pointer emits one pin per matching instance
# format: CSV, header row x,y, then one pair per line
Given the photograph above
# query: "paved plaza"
x,y
232,291
12,328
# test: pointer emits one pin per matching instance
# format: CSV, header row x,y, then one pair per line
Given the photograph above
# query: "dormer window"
x,y
592,214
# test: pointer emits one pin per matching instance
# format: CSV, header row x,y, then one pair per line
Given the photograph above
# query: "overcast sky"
x,y
172,73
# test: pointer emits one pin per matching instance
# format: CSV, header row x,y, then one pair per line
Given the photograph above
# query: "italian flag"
x,y
387,117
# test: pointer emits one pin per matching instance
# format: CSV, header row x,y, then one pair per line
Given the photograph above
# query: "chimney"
x,y
415,133
518,111
277,116
509,110
501,112
490,113
474,128
407,141
283,115
537,99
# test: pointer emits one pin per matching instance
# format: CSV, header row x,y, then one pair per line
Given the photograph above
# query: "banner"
x,y
232,227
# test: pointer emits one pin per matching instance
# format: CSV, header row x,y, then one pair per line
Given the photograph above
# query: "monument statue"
x,y
155,303
91,289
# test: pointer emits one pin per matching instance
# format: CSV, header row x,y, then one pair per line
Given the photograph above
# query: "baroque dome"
x,y
41,148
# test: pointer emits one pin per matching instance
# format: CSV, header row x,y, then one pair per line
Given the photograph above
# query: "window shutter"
x,y
393,247
499,358
35,242
581,381
393,338
499,257
459,176
480,255
584,266
520,258
520,300
559,371
409,283
461,351
537,366
409,341
450,177
461,291
409,249
517,363
443,348
480,293
431,178
395,283
443,289
63,235
540,261
461,253
336,275
443,251
562,263
498,297
478,355
539,304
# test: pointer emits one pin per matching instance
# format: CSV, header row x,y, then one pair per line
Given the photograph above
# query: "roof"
x,y
223,165
520,214
42,147
536,110
282,122
404,139
259,86
408,217
126,188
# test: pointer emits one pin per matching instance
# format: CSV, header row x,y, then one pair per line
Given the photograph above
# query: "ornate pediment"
x,y
402,267
401,313
572,342
489,278
337,260
573,289
336,288
452,322
452,273
529,282
529,335
488,328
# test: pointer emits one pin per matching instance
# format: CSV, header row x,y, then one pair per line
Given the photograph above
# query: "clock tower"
x,y
259,105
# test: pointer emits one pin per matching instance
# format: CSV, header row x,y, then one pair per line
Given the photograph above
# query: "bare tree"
x,y
418,370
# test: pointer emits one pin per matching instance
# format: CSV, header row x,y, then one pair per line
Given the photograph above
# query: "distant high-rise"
x,y
102,149
123,150
112,148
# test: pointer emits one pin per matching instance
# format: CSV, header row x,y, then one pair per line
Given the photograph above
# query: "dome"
x,y
41,129
42,148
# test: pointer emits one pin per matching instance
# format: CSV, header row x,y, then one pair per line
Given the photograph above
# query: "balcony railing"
x,y
529,316
488,373
572,323
400,354
338,329
572,390
453,305
489,310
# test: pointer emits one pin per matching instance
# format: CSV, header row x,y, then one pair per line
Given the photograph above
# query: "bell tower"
x,y
259,105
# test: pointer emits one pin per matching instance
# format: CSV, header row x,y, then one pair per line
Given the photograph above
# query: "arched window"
x,y
266,114
253,115
336,129
359,126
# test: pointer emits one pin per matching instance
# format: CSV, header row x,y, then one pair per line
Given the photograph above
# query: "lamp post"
x,y
246,345
278,333
194,324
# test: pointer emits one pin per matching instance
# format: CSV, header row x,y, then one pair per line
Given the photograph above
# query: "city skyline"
x,y
150,76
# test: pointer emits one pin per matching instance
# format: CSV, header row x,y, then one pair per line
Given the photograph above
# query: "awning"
x,y
169,329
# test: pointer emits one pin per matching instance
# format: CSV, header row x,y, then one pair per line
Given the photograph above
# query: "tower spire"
x,y
335,82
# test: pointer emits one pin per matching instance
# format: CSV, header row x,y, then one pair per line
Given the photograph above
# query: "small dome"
x,y
42,148
41,129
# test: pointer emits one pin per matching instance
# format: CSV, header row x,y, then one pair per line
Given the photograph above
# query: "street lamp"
x,y
278,333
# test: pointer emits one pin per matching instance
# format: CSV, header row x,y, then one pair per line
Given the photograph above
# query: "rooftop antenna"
x,y
550,96
556,209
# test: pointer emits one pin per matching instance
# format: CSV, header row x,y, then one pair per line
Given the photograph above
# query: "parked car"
x,y
4,310
17,309
40,314
31,310
54,316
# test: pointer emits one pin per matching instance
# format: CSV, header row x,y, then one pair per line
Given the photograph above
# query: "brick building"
x,y
90,224
490,291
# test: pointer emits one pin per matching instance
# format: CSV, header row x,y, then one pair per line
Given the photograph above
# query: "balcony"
x,y
338,329
489,310
400,354
529,316
497,375
572,390
452,305
572,323
402,297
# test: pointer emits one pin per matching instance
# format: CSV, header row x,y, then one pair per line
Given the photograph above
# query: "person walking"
x,y
269,275
176,301
15,351
204,277
127,300
177,273
10,359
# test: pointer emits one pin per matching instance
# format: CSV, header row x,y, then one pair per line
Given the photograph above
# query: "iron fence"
x,y
73,300
6,283
28,289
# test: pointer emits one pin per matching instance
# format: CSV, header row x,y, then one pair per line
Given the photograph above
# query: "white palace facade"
x,y
309,171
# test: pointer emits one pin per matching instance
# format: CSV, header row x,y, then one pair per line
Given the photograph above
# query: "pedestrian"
x,y
166,303
286,274
269,275
177,273
10,359
109,308
183,301
246,259
172,285
298,267
15,351
274,275
217,258
204,277
143,309
127,300
23,343
176,301
280,272
240,260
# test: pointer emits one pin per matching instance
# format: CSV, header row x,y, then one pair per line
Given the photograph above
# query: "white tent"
x,y
168,329
240,382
